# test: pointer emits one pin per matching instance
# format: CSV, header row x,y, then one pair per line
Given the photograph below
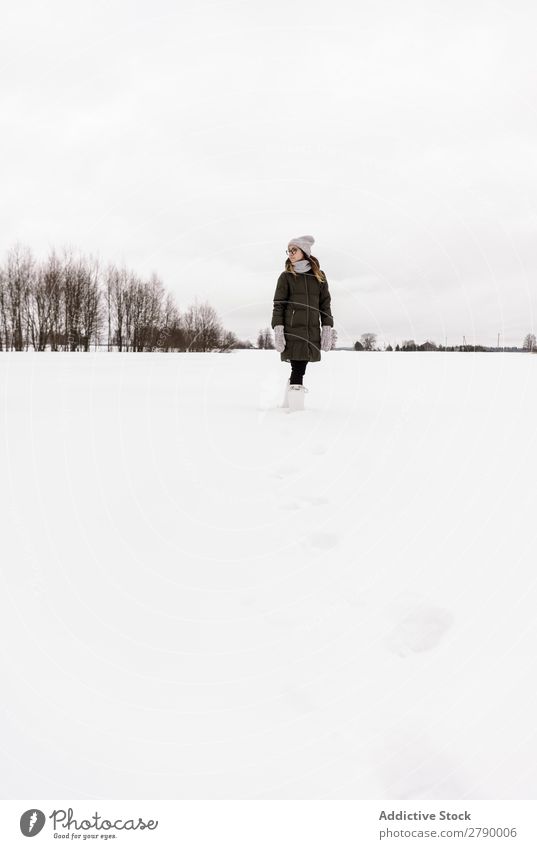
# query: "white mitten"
x,y
279,338
326,337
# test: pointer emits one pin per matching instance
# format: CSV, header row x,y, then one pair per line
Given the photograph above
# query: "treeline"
x,y
367,342
69,303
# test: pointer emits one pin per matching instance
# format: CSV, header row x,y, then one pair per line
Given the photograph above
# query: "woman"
x,y
301,301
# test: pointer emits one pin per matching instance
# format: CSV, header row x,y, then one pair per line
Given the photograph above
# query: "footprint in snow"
x,y
248,600
323,540
316,500
284,471
419,628
420,771
302,500
290,505
297,697
278,617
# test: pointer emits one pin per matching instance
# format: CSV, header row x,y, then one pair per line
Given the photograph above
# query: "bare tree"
x,y
109,296
202,327
46,292
16,297
132,298
229,341
172,337
116,294
91,314
49,302
4,333
77,307
264,338
170,325
530,343
150,326
369,341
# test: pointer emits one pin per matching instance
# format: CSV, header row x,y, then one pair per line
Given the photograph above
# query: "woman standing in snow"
x,y
301,304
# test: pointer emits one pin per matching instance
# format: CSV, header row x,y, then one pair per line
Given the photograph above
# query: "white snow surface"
x,y
205,596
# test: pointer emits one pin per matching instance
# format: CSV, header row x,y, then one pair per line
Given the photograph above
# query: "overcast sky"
x,y
196,139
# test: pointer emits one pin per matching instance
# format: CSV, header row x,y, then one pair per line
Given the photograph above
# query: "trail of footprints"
x,y
418,627
321,540
415,626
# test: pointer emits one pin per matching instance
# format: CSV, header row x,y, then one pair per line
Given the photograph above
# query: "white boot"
x,y
285,402
296,397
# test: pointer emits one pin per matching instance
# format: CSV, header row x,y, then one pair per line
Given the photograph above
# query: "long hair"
x,y
315,267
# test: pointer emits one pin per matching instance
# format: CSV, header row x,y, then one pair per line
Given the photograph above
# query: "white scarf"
x,y
302,265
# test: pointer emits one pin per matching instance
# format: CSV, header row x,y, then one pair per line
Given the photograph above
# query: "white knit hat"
x,y
304,243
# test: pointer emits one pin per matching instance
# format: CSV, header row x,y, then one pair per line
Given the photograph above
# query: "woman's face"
x,y
294,253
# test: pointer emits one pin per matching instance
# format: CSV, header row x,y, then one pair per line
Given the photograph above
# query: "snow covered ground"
x,y
203,596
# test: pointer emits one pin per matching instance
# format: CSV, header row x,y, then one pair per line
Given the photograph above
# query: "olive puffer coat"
x,y
301,304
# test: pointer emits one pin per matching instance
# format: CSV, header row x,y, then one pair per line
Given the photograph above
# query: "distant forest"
x,y
368,342
70,302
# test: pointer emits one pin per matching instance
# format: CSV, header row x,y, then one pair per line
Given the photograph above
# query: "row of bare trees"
x,y
70,303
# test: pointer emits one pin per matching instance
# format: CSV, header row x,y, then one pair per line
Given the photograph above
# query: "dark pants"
x,y
298,367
